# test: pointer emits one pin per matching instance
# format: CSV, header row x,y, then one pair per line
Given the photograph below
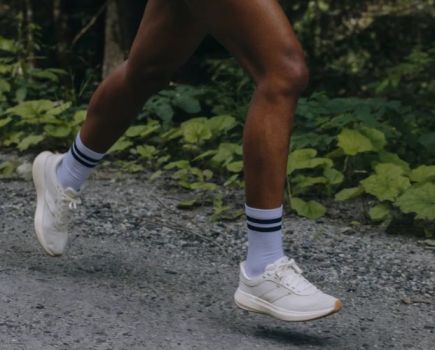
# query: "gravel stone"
x,y
141,274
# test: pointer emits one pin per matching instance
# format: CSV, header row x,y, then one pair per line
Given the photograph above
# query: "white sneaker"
x,y
282,292
54,204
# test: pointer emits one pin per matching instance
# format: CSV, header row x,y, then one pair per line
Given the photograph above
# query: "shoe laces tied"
x,y
68,201
290,274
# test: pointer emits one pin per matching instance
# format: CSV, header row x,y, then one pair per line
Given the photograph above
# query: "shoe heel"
x,y
244,302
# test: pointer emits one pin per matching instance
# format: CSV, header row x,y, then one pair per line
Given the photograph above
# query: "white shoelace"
x,y
290,274
68,201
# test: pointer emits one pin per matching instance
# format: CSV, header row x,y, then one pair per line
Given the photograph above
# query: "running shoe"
x,y
282,292
54,204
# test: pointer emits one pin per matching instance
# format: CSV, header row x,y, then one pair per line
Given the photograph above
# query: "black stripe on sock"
x,y
263,221
76,157
84,156
264,229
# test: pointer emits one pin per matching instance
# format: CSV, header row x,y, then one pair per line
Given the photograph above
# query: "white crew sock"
x,y
264,238
77,164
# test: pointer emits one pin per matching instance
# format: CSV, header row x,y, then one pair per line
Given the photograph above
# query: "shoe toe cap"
x,y
55,243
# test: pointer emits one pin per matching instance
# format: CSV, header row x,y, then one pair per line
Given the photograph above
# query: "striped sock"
x,y
264,238
77,164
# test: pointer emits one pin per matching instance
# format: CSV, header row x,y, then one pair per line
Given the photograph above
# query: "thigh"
x,y
257,32
167,36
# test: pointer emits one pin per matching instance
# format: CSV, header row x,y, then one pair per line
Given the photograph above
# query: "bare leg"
x,y
259,35
167,36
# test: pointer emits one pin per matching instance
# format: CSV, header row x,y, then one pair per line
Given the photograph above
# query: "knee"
x,y
288,78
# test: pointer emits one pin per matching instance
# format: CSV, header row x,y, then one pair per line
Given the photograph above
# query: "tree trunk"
x,y
113,49
122,20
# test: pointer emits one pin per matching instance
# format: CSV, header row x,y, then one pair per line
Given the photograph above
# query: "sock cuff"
x,y
263,214
87,152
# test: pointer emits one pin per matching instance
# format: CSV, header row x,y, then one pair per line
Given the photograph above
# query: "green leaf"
x,y
306,159
188,204
142,130
419,199
29,141
146,151
226,152
387,157
205,186
8,45
38,111
423,173
383,168
79,117
44,74
171,134
205,154
156,175
179,164
21,94
187,103
121,145
13,138
221,123
231,180
235,167
135,130
195,130
310,209
31,109
57,131
4,86
302,154
7,168
132,167
207,173
58,108
334,176
376,137
353,142
380,212
388,182
349,193
5,121
302,181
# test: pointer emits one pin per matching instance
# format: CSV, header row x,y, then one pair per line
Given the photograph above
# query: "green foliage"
x,y
387,182
345,148
310,209
167,103
380,212
349,193
419,199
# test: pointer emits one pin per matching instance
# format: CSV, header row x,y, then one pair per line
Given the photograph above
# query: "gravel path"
x,y
140,274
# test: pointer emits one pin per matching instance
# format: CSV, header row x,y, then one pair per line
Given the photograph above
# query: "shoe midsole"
x,y
252,303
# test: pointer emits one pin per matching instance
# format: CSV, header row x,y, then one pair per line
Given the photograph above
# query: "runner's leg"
x,y
167,37
259,35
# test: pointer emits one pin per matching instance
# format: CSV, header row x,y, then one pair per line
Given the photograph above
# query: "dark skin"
x,y
258,34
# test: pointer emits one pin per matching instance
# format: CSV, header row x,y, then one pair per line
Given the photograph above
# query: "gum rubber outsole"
x,y
252,303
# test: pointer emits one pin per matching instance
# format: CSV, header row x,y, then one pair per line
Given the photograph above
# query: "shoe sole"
x,y
39,181
252,303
